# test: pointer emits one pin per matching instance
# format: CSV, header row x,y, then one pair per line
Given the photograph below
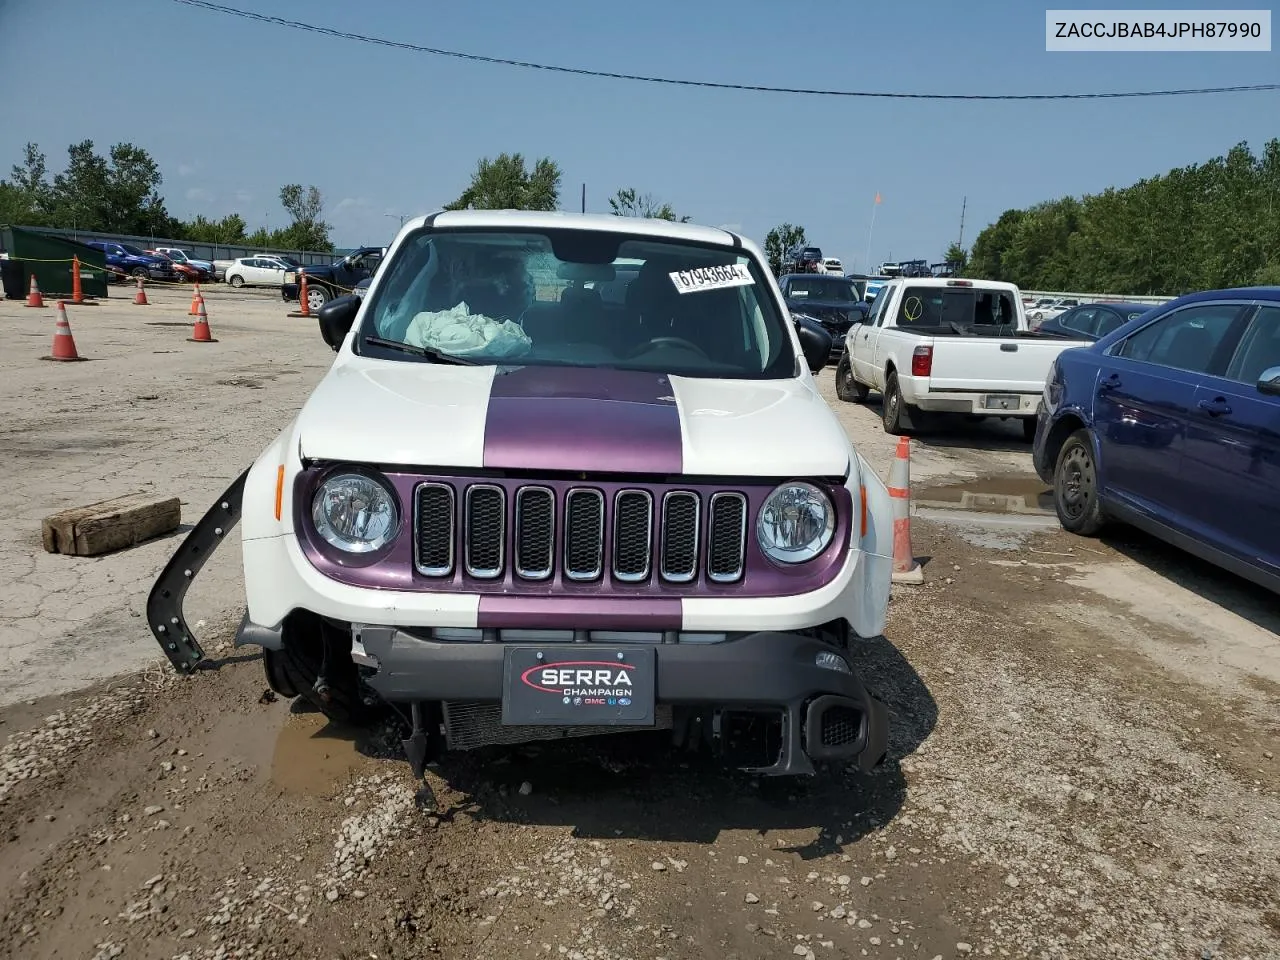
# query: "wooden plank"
x,y
110,525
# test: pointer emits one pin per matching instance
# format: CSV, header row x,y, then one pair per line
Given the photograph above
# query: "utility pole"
x,y
963,204
584,198
402,216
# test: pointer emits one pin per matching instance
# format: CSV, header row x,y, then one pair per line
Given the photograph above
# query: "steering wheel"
x,y
671,342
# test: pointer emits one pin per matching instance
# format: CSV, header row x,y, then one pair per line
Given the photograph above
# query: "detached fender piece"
x,y
164,604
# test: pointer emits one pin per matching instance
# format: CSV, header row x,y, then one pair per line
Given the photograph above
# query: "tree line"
x,y
1202,227
120,193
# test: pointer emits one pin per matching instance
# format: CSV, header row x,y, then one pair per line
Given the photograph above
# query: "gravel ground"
x,y
1082,760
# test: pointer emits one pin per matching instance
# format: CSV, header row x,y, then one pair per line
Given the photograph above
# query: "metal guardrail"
x,y
1094,297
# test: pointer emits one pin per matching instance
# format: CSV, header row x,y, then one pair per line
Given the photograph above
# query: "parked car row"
x,y
1166,418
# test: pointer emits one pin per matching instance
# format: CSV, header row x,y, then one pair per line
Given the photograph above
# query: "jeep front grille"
x,y
528,531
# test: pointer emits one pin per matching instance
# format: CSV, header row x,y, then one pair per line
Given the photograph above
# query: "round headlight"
x,y
796,523
355,513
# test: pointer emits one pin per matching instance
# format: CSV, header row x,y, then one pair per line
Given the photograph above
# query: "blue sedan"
x,y
1171,423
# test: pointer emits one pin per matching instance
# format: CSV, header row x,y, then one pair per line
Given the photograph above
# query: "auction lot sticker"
x,y
578,687
712,278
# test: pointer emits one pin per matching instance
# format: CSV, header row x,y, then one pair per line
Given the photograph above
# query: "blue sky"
x,y
231,108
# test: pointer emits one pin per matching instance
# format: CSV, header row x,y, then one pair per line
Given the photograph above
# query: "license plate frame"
x,y
625,696
1001,401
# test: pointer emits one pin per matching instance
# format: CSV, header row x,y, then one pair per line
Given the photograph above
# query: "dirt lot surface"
x,y
1082,759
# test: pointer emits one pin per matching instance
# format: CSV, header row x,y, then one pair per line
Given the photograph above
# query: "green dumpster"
x,y
49,258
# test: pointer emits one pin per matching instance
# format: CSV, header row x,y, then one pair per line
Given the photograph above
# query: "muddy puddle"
x,y
1018,494
314,756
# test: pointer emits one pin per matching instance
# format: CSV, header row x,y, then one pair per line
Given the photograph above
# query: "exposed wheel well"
x,y
1064,428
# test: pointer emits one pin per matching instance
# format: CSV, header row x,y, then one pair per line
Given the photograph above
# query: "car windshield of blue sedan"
x,y
578,298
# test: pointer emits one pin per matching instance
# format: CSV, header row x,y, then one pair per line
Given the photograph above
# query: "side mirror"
x,y
335,319
815,342
1269,382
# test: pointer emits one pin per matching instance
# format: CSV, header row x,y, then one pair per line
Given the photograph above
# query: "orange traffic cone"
x,y
905,567
64,344
195,302
303,299
77,291
33,297
140,298
201,333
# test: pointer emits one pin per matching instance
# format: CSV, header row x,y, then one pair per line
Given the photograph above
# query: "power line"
x,y
673,81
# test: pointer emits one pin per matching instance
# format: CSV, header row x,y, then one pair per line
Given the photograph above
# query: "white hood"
x,y
573,419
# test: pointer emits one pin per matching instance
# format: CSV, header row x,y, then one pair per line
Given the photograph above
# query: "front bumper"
x,y
826,712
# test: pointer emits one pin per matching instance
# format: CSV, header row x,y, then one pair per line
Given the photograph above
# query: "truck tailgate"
x,y
1005,365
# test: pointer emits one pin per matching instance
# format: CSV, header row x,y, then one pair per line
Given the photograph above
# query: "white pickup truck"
x,y
933,346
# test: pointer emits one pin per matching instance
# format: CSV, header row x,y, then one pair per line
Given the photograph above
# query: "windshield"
x,y
177,255
131,250
818,287
577,298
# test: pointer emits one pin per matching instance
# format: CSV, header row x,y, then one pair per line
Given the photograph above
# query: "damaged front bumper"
x,y
164,603
825,712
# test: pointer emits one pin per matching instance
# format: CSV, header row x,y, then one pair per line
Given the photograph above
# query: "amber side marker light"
x,y
862,490
280,489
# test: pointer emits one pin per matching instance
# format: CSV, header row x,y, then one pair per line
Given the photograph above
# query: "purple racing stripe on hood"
x,y
582,419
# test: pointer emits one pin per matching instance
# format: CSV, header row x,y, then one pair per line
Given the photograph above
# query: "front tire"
x,y
236,281
1076,497
311,646
847,388
317,297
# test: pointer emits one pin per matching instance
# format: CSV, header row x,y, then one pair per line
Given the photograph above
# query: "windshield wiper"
x,y
429,353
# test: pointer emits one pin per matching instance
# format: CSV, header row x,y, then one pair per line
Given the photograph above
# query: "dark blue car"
x,y
1092,321
1171,423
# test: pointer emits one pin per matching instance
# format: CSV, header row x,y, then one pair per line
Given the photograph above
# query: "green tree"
x,y
25,197
505,184
779,241
230,229
956,254
1207,225
307,229
986,259
629,203
117,193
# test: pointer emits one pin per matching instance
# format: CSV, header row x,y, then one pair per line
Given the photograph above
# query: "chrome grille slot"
x,y
632,535
583,534
434,508
484,520
535,532
679,560
726,536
